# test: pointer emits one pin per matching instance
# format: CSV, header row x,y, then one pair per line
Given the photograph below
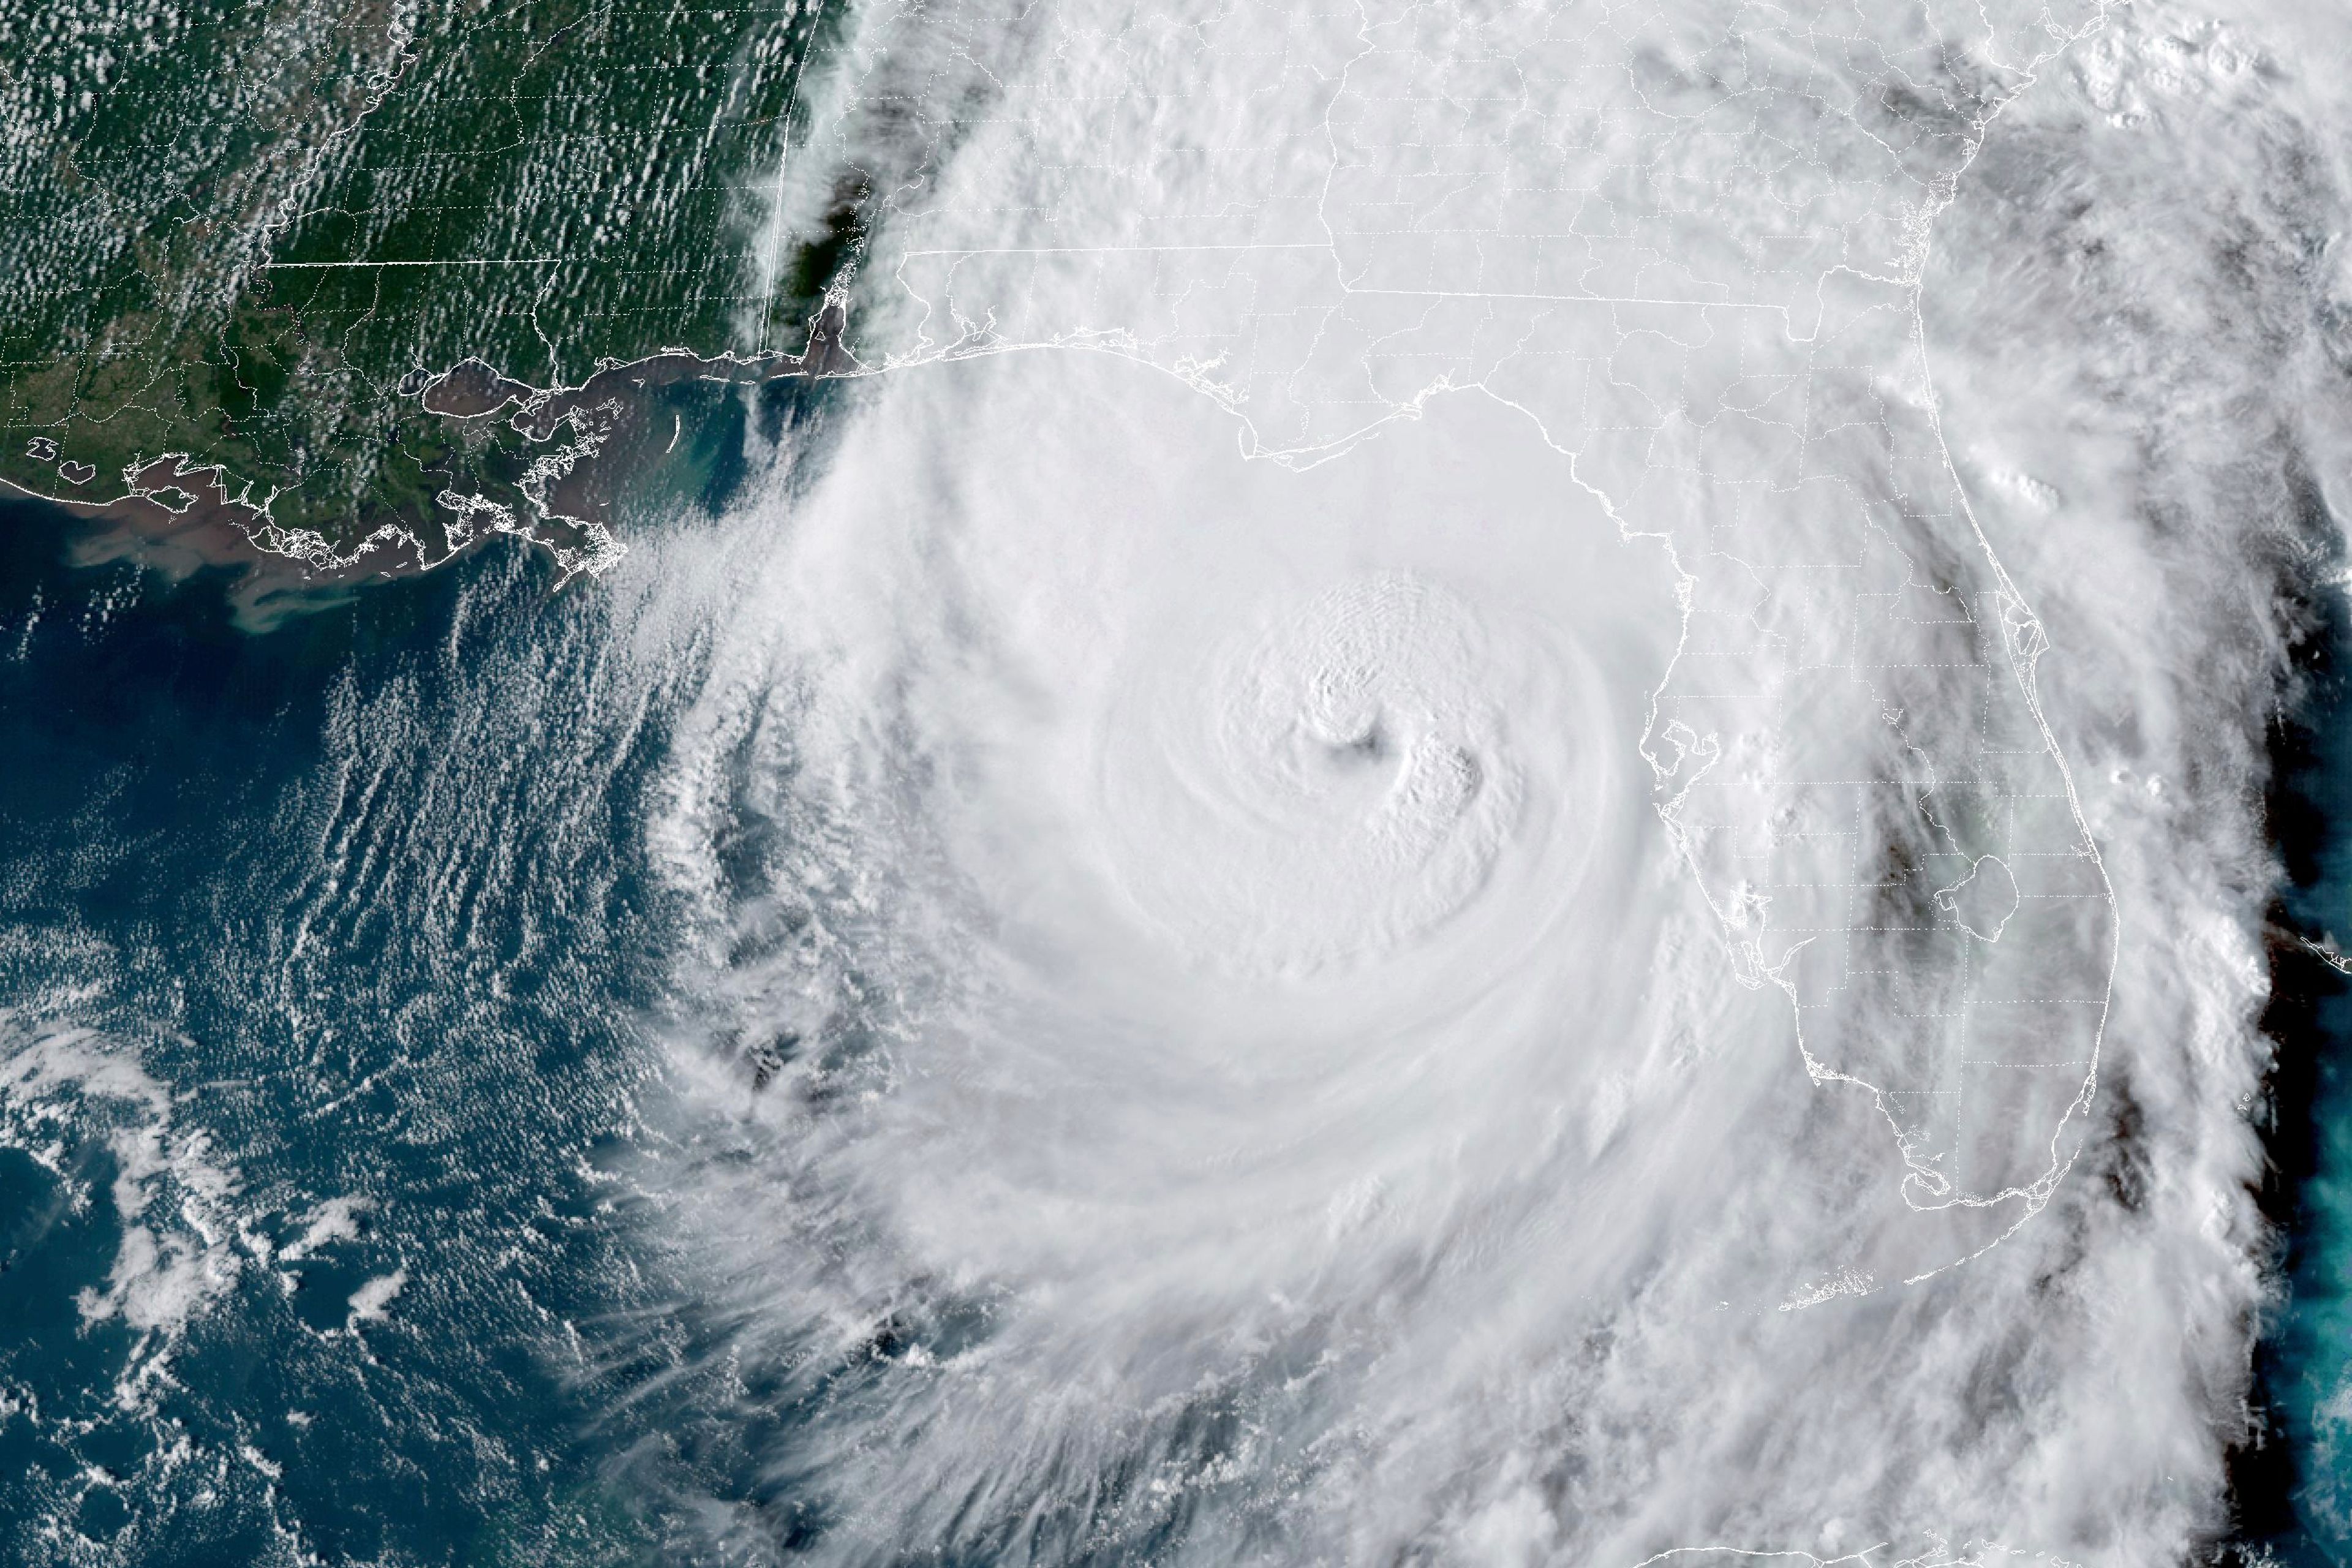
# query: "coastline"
x,y
177,516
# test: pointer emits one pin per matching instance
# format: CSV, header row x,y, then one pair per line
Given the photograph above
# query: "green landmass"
x,y
254,231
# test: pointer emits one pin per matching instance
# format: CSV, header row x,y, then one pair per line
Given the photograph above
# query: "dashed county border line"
x,y
453,261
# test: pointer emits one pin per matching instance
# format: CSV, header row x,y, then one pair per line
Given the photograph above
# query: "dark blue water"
x,y
236,858
2295,1477
324,958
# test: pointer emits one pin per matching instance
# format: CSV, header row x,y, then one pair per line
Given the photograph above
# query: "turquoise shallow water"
x,y
2295,1481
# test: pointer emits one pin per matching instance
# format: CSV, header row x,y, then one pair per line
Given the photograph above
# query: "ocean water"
x,y
2296,1481
293,1201
322,956
1258,911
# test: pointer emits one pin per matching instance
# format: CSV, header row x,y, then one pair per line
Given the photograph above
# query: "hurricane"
x,y
1611,926
1477,784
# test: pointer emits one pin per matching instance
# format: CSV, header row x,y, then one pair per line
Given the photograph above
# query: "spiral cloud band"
x,y
1447,832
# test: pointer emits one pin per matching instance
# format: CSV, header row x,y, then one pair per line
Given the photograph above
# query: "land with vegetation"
x,y
369,282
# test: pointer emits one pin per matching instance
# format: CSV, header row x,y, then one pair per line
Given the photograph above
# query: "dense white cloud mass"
x,y
1541,842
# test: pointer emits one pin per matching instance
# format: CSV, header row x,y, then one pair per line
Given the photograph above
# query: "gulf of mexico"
x,y
320,950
